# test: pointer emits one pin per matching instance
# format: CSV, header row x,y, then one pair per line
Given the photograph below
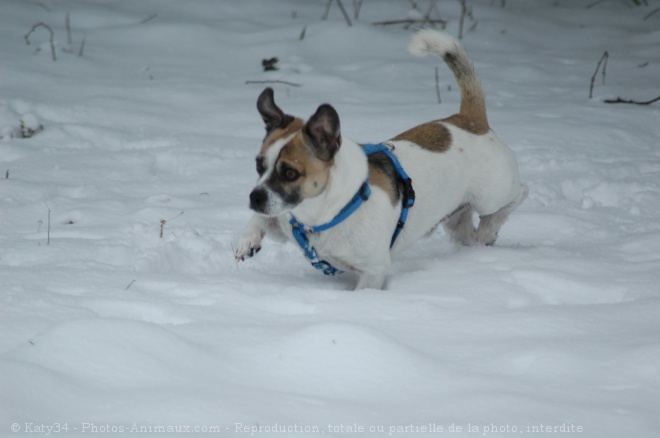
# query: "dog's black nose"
x,y
258,199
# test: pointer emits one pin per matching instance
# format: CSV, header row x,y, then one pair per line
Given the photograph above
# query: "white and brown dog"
x,y
309,172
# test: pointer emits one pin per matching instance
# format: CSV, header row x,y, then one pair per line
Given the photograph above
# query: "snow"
x,y
107,327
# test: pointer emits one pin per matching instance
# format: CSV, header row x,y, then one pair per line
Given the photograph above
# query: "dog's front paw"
x,y
241,255
248,245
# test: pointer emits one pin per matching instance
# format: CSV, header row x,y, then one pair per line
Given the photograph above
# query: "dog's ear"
x,y
323,132
272,115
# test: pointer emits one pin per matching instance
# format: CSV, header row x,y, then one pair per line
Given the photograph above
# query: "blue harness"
x,y
300,231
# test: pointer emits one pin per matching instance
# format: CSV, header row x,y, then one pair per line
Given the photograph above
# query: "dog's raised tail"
x,y
473,101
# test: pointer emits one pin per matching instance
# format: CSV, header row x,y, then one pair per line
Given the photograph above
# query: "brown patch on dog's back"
x,y
432,136
477,126
383,175
291,128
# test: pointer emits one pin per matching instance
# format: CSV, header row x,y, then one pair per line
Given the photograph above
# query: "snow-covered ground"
x,y
107,326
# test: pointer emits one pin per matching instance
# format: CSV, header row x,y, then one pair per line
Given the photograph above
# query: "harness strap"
x,y
408,191
300,231
300,235
355,202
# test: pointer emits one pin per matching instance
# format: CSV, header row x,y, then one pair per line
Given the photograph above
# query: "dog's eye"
x,y
290,174
260,166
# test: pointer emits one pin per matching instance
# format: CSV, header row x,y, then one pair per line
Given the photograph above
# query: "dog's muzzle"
x,y
258,200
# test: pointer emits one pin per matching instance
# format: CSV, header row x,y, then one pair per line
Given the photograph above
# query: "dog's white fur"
x,y
476,173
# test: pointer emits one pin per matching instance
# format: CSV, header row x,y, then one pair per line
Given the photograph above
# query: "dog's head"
x,y
295,158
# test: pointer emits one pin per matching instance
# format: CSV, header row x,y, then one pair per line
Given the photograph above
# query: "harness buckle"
x,y
408,192
326,267
365,192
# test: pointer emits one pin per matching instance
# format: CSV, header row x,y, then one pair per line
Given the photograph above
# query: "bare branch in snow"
x,y
341,7
634,102
48,230
293,84
603,58
437,85
52,37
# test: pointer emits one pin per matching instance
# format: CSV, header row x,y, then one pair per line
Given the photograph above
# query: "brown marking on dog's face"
x,y
432,136
297,159
473,125
288,172
295,125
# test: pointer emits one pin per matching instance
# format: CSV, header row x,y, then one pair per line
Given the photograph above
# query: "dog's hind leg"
x,y
489,225
459,225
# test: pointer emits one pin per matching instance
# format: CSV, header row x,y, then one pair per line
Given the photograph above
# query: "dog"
x,y
310,174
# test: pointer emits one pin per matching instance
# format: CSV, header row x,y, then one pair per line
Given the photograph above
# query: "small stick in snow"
x,y
44,7
293,84
162,224
67,24
193,229
48,230
327,10
341,8
357,5
233,252
7,174
604,58
82,48
129,285
52,36
437,85
462,19
595,3
634,102
149,18
164,221
343,12
172,218
650,14
409,22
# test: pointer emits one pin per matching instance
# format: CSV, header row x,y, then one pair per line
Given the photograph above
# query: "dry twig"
x,y
409,21
464,11
603,58
343,11
437,85
634,102
82,48
52,37
357,6
67,23
231,245
293,84
48,231
650,14
164,221
595,3
149,18
426,17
